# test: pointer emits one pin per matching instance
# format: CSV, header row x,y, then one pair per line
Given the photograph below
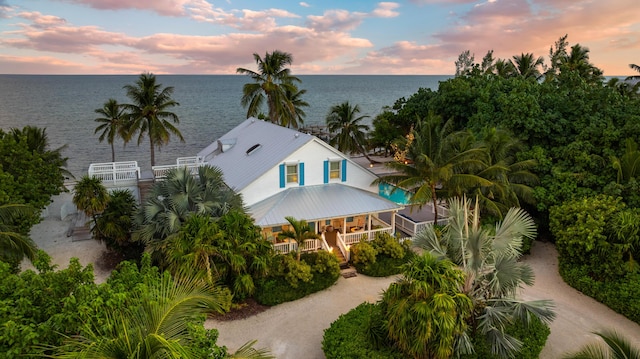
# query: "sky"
x,y
412,37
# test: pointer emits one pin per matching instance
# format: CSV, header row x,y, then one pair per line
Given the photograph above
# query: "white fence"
x,y
115,173
292,246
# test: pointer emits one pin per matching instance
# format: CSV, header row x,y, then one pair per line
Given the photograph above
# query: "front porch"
x,y
336,235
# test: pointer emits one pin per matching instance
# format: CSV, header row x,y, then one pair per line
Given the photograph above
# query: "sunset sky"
x,y
324,36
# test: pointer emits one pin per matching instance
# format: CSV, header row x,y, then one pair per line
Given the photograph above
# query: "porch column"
x,y
393,222
344,225
369,222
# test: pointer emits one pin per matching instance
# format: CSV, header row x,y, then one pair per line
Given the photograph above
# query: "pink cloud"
x,y
386,9
162,7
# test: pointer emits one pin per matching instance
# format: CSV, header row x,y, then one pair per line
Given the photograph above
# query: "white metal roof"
x,y
251,149
318,202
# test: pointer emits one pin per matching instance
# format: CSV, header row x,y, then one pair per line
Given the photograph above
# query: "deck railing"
x,y
411,227
115,173
192,163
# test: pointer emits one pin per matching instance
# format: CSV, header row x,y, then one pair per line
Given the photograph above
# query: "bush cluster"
x,y
620,294
381,257
290,280
350,337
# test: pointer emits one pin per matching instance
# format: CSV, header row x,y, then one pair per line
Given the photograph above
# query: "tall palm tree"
x,y
181,194
425,312
91,197
14,245
615,346
437,164
158,327
493,274
111,123
149,115
527,65
293,116
272,81
300,231
350,133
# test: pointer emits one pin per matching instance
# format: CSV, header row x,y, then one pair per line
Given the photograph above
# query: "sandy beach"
x,y
295,329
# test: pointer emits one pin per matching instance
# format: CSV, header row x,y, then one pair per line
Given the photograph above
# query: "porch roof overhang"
x,y
313,203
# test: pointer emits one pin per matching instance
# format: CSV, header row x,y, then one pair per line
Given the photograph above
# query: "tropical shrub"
x,y
290,280
381,257
489,257
114,225
348,337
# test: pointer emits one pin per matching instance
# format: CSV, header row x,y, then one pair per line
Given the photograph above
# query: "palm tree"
x,y
615,346
425,313
300,231
149,113
350,134
436,165
14,246
91,197
294,114
627,166
578,60
38,141
111,123
158,327
114,225
493,275
273,80
181,194
527,65
635,68
510,178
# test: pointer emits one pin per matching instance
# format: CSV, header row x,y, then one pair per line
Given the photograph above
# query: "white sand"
x,y
295,329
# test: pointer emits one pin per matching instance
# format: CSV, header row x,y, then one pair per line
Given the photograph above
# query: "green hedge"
x,y
279,288
620,294
348,338
382,256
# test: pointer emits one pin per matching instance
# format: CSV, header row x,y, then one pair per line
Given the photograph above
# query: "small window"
x,y
292,173
334,170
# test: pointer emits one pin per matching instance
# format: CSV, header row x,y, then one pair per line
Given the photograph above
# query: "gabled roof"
x,y
251,149
318,202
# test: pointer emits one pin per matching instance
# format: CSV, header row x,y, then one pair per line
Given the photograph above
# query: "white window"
x,y
334,170
292,173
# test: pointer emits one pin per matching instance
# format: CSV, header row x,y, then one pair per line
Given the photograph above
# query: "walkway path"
x,y
295,329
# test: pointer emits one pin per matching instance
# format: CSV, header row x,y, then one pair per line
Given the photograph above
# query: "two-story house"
x,y
281,172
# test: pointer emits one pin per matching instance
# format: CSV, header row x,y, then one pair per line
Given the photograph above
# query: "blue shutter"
x,y
282,174
301,174
326,172
344,170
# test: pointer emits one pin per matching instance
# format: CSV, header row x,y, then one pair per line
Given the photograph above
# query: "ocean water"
x,y
209,107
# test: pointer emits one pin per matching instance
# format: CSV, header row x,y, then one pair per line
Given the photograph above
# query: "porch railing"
x,y
355,237
115,173
292,246
343,247
411,228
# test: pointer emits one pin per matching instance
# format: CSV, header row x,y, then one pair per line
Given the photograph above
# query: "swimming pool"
x,y
393,193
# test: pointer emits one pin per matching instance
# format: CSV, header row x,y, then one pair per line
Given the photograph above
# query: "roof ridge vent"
x,y
253,148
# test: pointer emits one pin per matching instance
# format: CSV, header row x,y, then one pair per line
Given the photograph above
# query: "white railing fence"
x,y
192,163
115,173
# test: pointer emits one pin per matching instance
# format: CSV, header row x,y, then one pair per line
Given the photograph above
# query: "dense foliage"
x,y
39,309
382,256
598,241
350,337
290,280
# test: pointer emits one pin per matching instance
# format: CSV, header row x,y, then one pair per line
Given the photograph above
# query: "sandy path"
x,y
295,329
